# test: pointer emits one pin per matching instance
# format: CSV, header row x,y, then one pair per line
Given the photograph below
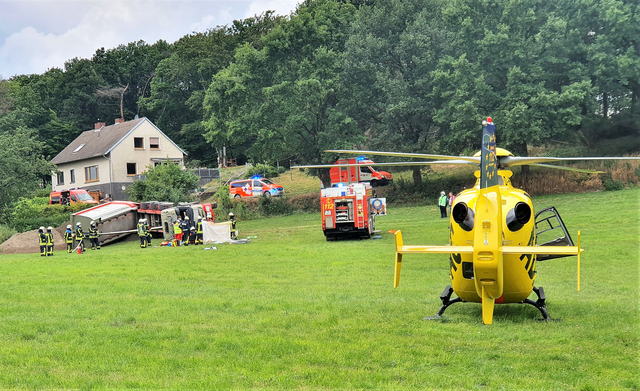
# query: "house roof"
x,y
99,142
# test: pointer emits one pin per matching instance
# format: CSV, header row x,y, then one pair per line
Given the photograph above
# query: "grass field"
x,y
292,311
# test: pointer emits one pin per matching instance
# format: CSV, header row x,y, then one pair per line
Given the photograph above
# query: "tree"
x,y
166,182
388,63
180,81
22,165
282,102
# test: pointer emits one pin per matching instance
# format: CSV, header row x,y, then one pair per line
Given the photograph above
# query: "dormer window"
x,y
79,148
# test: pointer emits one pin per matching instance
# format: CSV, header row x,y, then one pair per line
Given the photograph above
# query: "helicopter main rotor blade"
x,y
510,161
413,155
462,162
566,168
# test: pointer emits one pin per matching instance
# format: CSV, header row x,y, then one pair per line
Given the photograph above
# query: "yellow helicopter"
x,y
493,233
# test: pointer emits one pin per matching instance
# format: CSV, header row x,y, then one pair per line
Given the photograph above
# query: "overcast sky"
x,y
36,35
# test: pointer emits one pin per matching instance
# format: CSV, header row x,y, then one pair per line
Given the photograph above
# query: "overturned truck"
x,y
118,219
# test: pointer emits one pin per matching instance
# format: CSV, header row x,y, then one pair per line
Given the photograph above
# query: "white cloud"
x,y
282,7
34,48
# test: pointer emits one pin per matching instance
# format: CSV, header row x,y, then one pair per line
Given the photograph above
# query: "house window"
x,y
138,142
154,142
61,178
79,148
91,174
132,169
72,175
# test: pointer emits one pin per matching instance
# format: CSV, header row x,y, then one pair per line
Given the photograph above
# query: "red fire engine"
x,y
366,173
348,211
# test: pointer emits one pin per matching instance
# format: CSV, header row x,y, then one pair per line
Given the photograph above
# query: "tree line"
x,y
401,75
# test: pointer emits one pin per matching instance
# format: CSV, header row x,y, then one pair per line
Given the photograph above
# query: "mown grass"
x,y
290,310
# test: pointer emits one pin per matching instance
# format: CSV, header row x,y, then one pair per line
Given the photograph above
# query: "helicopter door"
x,y
550,230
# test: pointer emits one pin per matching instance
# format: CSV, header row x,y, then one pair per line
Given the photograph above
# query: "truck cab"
x,y
366,173
71,196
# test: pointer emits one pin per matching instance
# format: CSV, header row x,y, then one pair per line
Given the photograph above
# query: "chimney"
x,y
119,120
99,125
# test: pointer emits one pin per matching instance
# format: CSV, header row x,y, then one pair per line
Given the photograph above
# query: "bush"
x,y
611,184
273,206
6,232
306,202
32,213
264,170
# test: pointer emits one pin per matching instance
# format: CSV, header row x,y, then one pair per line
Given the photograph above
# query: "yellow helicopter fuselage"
x,y
518,270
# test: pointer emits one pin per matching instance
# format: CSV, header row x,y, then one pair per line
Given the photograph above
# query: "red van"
x,y
255,187
71,196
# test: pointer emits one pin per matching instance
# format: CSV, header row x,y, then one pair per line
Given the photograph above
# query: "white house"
x,y
107,158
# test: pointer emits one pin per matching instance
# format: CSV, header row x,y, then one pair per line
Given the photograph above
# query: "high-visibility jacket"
x,y
442,201
176,228
49,238
42,238
68,236
94,232
79,233
199,227
142,229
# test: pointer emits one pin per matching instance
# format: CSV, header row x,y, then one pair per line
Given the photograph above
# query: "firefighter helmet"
x,y
78,224
69,226
93,223
49,228
41,228
141,221
231,214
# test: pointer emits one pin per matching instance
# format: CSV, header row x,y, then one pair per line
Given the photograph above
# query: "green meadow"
x,y
292,311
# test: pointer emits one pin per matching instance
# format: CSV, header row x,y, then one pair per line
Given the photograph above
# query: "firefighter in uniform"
x,y
192,235
49,241
142,233
94,233
68,238
80,236
234,232
42,240
185,225
146,223
177,232
199,231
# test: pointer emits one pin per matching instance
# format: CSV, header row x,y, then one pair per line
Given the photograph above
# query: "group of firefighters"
x,y
73,240
184,234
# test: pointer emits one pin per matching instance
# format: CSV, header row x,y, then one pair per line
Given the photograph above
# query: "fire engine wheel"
x,y
236,196
266,194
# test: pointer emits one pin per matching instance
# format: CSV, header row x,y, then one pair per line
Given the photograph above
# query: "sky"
x,y
36,35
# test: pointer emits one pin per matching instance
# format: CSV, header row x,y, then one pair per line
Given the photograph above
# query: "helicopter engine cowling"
x,y
518,216
463,216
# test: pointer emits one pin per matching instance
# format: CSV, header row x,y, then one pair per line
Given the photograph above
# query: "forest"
x,y
399,75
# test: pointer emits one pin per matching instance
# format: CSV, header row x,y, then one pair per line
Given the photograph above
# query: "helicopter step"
x,y
540,303
445,296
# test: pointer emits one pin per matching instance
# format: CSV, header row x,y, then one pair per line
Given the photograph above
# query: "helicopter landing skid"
x,y
446,302
540,303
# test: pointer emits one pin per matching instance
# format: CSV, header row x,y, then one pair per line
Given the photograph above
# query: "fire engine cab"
x,y
349,211
366,173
